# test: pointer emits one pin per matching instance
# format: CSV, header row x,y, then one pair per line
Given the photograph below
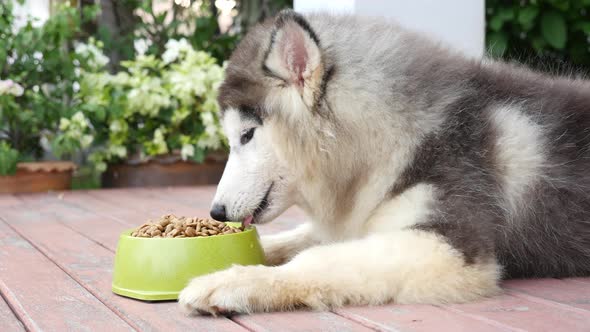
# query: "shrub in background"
x,y
540,32
156,106
8,159
39,74
122,24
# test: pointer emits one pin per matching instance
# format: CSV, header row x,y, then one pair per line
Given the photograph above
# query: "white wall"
x,y
459,23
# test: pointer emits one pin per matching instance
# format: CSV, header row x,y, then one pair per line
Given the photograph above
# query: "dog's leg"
x,y
409,266
280,248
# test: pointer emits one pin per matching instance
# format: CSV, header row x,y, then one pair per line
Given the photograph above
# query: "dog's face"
x,y
255,187
269,96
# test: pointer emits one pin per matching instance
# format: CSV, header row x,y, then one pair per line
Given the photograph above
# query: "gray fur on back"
x,y
403,84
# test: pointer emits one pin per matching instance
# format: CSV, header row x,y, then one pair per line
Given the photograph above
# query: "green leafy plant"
x,y
8,159
541,30
39,73
251,12
155,107
151,24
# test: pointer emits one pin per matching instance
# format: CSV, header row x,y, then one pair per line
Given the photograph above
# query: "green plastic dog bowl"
x,y
157,269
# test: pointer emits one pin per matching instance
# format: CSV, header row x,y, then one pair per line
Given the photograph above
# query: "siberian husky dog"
x,y
427,176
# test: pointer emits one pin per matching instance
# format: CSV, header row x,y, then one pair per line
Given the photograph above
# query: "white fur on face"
x,y
252,171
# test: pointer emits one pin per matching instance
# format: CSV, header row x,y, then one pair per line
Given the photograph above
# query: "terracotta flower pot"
x,y
38,177
156,173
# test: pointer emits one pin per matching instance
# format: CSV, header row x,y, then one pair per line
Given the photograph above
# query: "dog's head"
x,y
270,101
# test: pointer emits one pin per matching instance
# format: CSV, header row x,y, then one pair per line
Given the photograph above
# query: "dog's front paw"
x,y
239,289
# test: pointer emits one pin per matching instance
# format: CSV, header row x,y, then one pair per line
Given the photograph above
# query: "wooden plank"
x,y
8,201
298,321
98,228
98,223
569,293
91,265
129,198
118,211
579,280
85,207
70,215
42,295
198,197
417,318
8,320
525,314
95,214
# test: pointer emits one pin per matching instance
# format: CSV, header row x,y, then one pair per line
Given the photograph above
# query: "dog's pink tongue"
x,y
247,221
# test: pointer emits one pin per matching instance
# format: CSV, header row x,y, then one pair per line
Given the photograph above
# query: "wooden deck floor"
x,y
56,258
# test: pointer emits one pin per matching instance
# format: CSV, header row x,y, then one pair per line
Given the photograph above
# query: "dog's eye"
x,y
247,136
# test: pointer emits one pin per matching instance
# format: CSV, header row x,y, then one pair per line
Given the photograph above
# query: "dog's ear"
x,y
294,53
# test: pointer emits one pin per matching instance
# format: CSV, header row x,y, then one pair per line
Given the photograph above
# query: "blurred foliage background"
x,y
102,81
122,21
550,35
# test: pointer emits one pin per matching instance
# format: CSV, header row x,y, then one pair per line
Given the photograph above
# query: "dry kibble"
x,y
190,231
182,227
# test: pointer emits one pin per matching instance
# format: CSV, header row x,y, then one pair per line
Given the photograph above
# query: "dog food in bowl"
x,y
180,227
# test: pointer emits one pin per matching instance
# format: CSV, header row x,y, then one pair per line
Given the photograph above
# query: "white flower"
x,y
96,58
86,140
199,84
64,124
183,3
38,55
211,130
209,142
11,87
141,45
158,135
101,166
11,59
80,119
148,97
116,126
76,86
215,74
81,48
170,55
118,150
159,142
187,151
207,118
44,142
18,90
173,49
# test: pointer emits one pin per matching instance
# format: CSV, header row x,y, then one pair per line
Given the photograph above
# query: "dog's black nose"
x,y
218,212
